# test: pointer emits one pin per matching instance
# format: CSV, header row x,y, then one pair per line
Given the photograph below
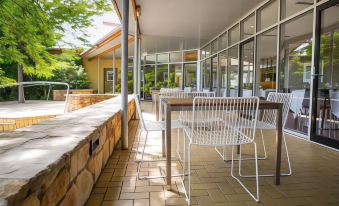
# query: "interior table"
x,y
174,104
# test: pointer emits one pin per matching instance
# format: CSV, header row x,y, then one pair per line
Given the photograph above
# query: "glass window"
x,y
247,69
267,15
233,62
190,56
233,35
190,75
290,7
130,80
130,61
150,59
295,64
162,58
149,80
247,27
214,46
266,63
162,76
206,73
223,73
142,61
175,57
214,72
175,76
203,53
208,51
223,41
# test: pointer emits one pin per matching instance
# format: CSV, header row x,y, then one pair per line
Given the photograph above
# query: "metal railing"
x,y
40,83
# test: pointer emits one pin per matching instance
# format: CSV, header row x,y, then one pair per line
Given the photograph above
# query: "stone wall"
x,y
78,101
74,102
9,124
59,95
57,162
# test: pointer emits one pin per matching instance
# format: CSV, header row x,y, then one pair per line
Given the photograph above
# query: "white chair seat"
x,y
160,126
218,137
199,122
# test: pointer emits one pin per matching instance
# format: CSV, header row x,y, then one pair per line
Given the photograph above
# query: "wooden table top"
x,y
263,104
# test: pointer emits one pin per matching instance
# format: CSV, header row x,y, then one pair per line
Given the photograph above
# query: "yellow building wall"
x,y
91,68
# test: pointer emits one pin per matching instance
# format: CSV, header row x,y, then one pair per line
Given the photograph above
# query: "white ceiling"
x,y
168,25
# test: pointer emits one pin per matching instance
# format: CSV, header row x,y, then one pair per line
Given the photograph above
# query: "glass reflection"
x,y
295,64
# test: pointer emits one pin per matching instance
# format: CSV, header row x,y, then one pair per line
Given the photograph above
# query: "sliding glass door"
x,y
325,121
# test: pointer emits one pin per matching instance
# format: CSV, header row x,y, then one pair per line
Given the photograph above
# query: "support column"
x,y
139,66
114,73
135,61
98,75
124,74
21,93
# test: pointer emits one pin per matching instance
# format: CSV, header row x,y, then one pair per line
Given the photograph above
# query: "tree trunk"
x,y
21,93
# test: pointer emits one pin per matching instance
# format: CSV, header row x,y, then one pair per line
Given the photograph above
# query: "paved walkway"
x,y
315,179
31,108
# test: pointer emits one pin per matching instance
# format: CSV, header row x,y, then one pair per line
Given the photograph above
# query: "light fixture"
x,y
252,26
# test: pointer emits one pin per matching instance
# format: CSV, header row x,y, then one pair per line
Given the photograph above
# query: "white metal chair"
x,y
185,117
268,122
149,126
235,112
167,93
188,89
334,102
297,103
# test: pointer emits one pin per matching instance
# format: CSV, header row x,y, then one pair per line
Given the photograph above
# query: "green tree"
x,y
29,27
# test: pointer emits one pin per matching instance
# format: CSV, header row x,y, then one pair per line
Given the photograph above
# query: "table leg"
x,y
163,142
168,147
157,102
279,136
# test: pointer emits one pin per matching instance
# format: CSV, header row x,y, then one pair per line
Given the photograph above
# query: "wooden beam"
x,y
134,6
110,50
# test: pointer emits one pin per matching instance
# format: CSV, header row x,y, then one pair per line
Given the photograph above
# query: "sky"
x,y
95,32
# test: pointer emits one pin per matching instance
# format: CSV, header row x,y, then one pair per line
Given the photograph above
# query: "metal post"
x,y
135,69
139,66
98,75
21,97
114,73
124,74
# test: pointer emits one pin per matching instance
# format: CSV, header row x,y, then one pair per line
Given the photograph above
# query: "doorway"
x,y
325,119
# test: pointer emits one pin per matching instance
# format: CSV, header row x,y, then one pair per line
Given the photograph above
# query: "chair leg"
x,y
137,152
142,157
187,191
141,160
178,145
255,197
289,173
224,157
189,174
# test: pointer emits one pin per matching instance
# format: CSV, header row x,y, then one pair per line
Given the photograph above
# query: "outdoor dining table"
x,y
175,104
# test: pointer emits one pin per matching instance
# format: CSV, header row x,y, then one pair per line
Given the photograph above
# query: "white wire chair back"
x,y
334,102
297,101
138,107
185,117
234,112
269,116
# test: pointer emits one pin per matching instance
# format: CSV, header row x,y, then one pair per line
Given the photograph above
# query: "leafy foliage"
x,y
71,70
29,27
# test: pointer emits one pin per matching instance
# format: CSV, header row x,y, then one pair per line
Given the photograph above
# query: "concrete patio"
x,y
315,179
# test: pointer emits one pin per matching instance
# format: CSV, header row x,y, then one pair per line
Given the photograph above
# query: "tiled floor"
x,y
315,179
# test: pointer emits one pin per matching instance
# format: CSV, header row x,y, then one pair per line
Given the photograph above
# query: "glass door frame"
x,y
315,77
240,72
